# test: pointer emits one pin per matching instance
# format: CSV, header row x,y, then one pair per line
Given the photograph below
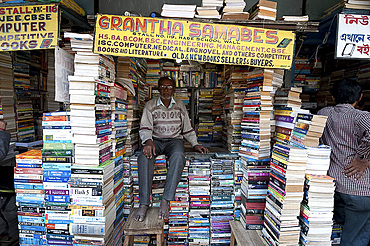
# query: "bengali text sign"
x,y
187,40
28,27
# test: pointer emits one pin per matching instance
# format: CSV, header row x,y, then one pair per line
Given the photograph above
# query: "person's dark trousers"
x,y
174,150
353,212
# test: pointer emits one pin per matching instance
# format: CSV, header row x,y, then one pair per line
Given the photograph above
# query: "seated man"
x,y
164,124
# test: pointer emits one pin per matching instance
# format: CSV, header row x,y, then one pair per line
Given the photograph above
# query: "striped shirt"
x,y
161,122
347,132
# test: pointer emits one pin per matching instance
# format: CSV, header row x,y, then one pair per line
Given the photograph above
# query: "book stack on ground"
x,y
153,73
234,10
234,116
285,191
253,192
263,10
159,180
318,160
127,186
317,210
222,199
199,194
178,230
57,160
30,200
238,177
118,193
7,94
178,11
308,129
135,177
119,119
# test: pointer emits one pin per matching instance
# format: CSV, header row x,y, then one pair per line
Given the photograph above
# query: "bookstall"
x,y
251,88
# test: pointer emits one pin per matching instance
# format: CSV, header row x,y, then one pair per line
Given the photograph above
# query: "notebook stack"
x,y
238,177
118,200
159,180
135,178
199,194
285,191
263,10
128,194
30,200
178,11
318,160
119,119
57,160
153,73
317,210
253,192
7,94
234,117
308,129
178,230
222,199
234,10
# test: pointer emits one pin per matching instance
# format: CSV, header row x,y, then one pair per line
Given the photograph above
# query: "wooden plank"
x,y
246,237
151,224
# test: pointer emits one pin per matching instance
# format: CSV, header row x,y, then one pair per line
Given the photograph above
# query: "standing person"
x,y
347,132
164,124
4,140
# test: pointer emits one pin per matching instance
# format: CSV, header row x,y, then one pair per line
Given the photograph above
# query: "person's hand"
x,y
149,149
201,149
357,167
2,125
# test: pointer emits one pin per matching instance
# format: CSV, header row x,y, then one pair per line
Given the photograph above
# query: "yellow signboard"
x,y
187,40
28,27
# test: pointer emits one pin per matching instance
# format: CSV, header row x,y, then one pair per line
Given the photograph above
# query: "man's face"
x,y
166,89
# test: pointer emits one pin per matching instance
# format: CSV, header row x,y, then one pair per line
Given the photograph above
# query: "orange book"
x,y
31,154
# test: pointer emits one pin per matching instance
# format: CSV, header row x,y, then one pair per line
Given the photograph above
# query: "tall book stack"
x,y
178,11
206,123
222,199
127,186
153,73
317,210
263,10
308,129
285,191
138,69
57,157
159,179
133,125
135,178
178,230
301,70
217,113
119,119
30,198
118,192
52,105
233,120
23,105
318,160
199,194
253,192
238,177
7,94
277,82
234,10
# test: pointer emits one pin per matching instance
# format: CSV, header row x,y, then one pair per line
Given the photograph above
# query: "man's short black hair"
x,y
166,78
346,91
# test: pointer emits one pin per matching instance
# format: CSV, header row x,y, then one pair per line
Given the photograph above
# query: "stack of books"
x,y
317,210
234,116
135,177
183,95
118,193
7,94
253,192
209,12
238,177
169,69
57,160
178,230
285,191
199,194
211,78
178,11
133,125
295,17
318,160
357,4
153,73
138,68
128,195
30,199
189,76
217,113
307,130
52,105
222,199
263,10
159,180
206,123
277,82
302,68
234,10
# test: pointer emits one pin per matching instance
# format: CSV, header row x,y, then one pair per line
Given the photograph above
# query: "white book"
x,y
180,8
82,99
81,85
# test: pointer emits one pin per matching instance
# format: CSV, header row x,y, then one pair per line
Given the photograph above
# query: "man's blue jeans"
x,y
353,212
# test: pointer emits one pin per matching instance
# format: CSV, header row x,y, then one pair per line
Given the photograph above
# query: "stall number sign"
x,y
353,36
28,27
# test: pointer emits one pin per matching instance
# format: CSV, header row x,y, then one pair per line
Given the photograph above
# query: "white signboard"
x,y
353,37
64,66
